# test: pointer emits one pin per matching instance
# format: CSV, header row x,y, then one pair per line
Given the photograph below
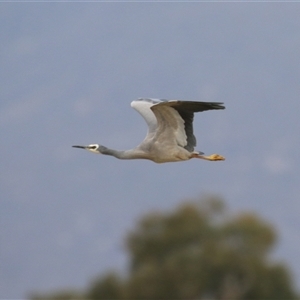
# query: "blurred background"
x,y
68,74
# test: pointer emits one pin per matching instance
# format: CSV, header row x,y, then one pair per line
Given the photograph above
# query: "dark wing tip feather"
x,y
217,105
191,106
195,106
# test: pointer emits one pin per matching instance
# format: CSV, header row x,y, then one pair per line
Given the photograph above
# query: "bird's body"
x,y
170,134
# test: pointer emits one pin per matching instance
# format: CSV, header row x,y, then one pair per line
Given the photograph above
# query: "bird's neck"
x,y
127,154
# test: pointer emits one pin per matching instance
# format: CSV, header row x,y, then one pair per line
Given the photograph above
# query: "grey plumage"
x,y
170,134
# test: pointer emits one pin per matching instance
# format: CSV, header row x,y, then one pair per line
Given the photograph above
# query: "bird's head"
x,y
95,148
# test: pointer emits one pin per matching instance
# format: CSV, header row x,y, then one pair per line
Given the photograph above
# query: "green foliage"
x,y
107,287
199,251
62,295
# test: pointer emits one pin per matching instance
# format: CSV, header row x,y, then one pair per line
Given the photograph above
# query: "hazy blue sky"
x,y
68,74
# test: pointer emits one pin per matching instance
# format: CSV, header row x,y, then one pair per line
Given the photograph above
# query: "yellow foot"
x,y
215,157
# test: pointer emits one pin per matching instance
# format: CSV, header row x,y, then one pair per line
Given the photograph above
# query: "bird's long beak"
x,y
81,147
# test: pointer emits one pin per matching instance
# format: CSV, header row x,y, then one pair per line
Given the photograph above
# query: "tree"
x,y
199,251
108,287
61,295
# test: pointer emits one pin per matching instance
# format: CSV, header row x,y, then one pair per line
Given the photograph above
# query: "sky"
x,y
68,74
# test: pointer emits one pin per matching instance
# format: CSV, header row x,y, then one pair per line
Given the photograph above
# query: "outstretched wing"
x,y
183,131
143,107
171,121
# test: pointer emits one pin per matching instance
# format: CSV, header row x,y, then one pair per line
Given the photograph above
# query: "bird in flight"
x,y
170,136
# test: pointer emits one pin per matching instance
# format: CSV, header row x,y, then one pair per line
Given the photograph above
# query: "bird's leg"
x,y
212,157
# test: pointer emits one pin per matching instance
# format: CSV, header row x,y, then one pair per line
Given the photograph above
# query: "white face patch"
x,y
93,147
